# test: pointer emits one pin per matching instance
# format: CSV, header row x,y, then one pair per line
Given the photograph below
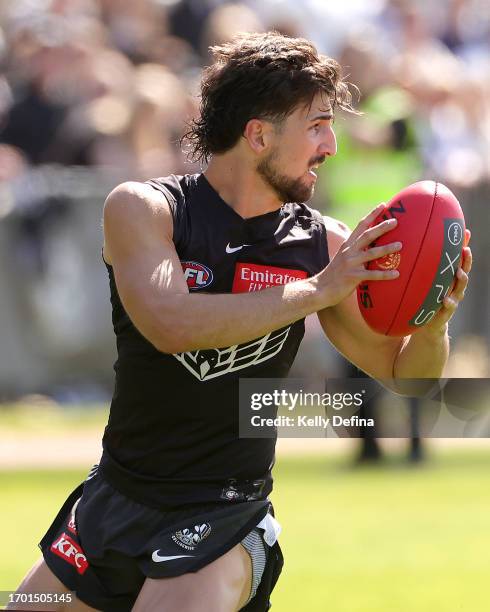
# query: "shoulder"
x,y
177,188
135,214
336,227
337,233
134,199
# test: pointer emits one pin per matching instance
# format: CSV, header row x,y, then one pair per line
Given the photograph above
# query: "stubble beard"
x,y
286,188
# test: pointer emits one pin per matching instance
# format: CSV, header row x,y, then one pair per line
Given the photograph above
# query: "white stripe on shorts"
x,y
254,545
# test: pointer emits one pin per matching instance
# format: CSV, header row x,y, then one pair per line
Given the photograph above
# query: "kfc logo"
x,y
70,551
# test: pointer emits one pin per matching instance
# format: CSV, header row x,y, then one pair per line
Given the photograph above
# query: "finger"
x,y
450,304
443,316
377,252
462,277
366,221
467,259
377,274
460,286
370,235
467,237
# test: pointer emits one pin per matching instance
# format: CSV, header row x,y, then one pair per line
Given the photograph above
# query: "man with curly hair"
x,y
211,276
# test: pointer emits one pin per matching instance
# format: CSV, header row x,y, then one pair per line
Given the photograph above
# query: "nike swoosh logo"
x,y
230,249
158,558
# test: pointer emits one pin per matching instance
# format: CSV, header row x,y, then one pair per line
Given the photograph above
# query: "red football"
x,y
431,229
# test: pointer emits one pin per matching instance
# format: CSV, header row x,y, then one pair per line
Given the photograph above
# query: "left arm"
x,y
426,352
421,355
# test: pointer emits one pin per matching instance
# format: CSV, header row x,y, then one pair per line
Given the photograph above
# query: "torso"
x,y
174,418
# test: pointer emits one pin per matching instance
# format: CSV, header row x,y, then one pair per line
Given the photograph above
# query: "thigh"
x,y
222,586
40,579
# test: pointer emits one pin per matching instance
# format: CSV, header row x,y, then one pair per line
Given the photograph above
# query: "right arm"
x,y
138,230
138,244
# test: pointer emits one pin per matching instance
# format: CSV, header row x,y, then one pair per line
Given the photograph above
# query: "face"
x,y
302,143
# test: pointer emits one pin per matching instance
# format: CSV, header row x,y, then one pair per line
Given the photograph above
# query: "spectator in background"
x,y
105,84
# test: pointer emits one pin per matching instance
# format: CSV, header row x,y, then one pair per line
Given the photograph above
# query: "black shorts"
x,y
103,545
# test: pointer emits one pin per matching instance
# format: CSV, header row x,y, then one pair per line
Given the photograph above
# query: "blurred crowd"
x,y
93,92
110,84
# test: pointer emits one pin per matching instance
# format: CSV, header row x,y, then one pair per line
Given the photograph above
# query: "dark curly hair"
x,y
262,76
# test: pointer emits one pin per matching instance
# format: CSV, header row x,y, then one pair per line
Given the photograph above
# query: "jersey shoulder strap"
x,y
315,221
176,190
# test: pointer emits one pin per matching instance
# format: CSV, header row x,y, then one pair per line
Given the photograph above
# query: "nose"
x,y
329,144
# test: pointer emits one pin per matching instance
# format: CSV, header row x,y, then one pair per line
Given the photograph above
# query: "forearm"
x,y
194,321
424,355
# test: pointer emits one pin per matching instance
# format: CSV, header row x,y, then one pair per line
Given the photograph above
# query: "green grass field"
x,y
386,539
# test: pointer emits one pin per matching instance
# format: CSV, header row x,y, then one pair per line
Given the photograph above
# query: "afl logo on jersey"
x,y
197,275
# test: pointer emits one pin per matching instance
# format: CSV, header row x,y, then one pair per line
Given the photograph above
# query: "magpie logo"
x,y
190,538
210,363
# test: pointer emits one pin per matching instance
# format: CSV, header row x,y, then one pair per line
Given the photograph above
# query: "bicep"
x,y
139,246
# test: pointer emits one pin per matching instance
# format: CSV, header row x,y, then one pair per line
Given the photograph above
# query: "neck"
x,y
239,185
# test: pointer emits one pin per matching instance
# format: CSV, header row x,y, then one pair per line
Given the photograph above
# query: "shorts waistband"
x,y
173,494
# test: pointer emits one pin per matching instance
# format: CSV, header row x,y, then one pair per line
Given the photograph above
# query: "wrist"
x,y
319,292
327,288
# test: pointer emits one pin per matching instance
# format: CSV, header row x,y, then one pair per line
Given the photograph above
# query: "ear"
x,y
257,133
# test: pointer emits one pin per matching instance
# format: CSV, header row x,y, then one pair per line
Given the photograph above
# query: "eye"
x,y
315,128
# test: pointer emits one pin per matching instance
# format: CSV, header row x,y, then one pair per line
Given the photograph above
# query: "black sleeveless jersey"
x,y
172,436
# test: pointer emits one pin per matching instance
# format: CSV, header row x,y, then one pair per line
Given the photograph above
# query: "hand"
x,y
450,303
347,269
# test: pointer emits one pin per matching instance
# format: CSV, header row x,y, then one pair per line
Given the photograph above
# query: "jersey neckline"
x,y
203,183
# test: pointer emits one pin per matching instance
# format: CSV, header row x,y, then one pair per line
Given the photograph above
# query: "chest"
x,y
229,256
